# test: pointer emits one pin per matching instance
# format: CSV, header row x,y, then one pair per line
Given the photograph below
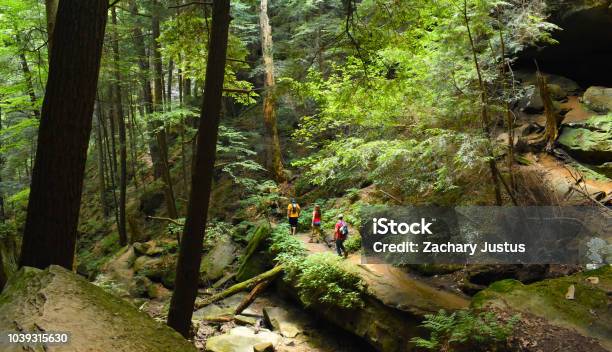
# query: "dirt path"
x,y
393,286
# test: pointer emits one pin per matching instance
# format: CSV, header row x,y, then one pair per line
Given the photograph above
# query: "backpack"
x,y
344,231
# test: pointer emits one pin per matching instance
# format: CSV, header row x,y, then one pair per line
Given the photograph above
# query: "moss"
x,y
90,260
251,265
108,320
587,312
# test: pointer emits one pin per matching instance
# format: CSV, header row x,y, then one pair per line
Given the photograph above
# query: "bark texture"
x,y
272,142
57,180
190,255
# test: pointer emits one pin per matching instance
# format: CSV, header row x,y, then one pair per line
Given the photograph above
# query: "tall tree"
x,y
117,99
158,96
147,93
57,180
27,75
190,255
272,142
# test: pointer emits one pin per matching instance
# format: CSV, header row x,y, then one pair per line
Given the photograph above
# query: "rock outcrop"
x,y
56,299
588,312
598,99
589,141
242,339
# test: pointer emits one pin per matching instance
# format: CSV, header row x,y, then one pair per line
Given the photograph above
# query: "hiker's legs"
x,y
293,222
340,248
345,253
321,234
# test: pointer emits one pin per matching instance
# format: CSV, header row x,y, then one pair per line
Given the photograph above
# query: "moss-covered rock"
x,y
58,300
158,269
589,141
217,259
598,99
588,312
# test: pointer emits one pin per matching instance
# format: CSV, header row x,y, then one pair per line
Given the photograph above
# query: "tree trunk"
x,y
100,151
2,213
169,85
123,240
27,75
484,101
63,136
190,255
158,95
271,140
51,9
147,94
553,119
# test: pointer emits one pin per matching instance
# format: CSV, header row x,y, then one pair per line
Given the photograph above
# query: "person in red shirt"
x,y
340,234
316,233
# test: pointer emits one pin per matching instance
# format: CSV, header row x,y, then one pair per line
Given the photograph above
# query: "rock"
x,y
532,127
212,312
244,320
158,291
598,99
486,274
264,347
281,320
241,339
158,269
593,280
153,248
532,102
139,287
435,269
557,92
151,200
589,141
215,261
588,313
56,299
571,292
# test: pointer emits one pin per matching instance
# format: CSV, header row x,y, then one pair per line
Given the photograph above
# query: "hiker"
x,y
317,234
293,213
340,235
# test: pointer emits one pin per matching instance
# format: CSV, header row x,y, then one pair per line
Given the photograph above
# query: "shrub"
x,y
322,280
353,243
319,278
465,330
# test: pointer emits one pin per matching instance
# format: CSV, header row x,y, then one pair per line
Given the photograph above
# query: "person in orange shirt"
x,y
293,214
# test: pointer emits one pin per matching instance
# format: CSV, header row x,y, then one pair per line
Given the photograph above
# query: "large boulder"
x,y
589,141
598,99
217,259
588,312
158,269
241,339
56,299
288,323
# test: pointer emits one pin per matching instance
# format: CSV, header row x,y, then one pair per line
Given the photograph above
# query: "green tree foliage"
x,y
404,108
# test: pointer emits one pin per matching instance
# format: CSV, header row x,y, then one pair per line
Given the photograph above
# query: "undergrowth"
x,y
319,278
465,330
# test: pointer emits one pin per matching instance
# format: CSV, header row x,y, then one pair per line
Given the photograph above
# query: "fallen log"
x,y
242,286
260,287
